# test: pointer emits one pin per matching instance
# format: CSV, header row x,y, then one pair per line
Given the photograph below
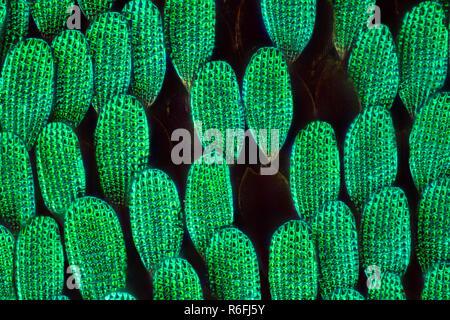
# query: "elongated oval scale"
x,y
148,51
343,294
293,269
15,26
92,8
430,141
390,288
175,279
268,99
290,24
156,218
423,54
60,167
17,203
189,27
437,282
27,90
233,266
315,169
95,246
208,202
385,231
433,230
7,243
216,105
122,146
370,154
39,260
373,67
73,93
119,296
50,15
336,239
351,17
110,47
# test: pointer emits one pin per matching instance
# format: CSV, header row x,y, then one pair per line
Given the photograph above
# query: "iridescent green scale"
x,y
290,24
233,266
216,105
189,27
156,217
59,297
50,15
293,269
336,239
437,282
385,231
27,90
343,294
17,203
122,146
15,26
95,245
350,19
92,8
73,93
373,67
208,202
2,18
423,54
60,167
433,232
39,260
175,279
390,288
430,141
315,169
370,154
7,243
110,47
268,99
148,51
119,296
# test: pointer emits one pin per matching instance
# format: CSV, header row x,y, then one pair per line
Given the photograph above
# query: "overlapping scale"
x,y
293,269
92,8
370,154
15,26
216,104
17,203
39,260
290,24
373,67
50,15
122,146
336,239
390,288
156,218
27,90
344,294
423,54
315,169
110,47
233,266
351,18
268,100
73,93
95,246
175,279
430,141
433,231
7,243
189,27
385,231
437,282
119,296
60,167
148,51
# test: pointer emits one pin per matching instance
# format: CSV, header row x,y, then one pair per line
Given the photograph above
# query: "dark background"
x,y
321,91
